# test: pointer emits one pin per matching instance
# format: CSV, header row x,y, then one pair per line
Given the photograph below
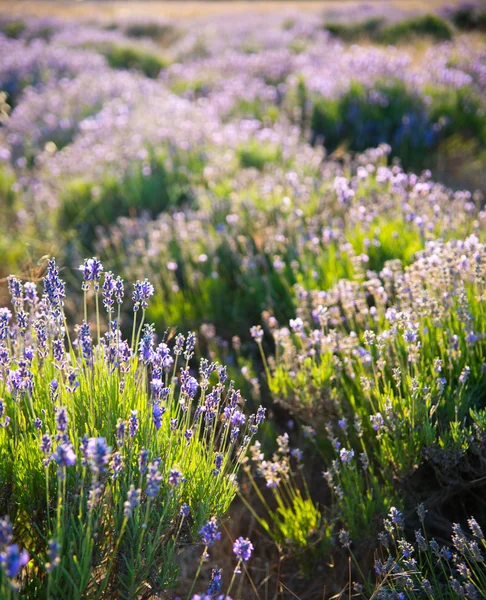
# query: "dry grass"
x,y
186,9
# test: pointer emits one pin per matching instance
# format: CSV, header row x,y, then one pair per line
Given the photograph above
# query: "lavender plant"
x,y
388,371
114,454
427,569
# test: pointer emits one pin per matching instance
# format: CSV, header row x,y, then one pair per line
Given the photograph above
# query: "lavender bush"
x,y
115,454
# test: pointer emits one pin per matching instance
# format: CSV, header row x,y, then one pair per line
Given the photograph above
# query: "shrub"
x,y
363,117
459,111
129,57
108,466
164,33
468,16
424,26
377,30
389,112
86,205
352,32
393,368
12,28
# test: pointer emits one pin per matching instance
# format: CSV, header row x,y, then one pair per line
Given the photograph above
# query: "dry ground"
x,y
85,9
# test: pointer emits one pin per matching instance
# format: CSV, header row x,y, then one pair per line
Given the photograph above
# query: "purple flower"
x,y
85,342
58,350
91,269
189,384
98,454
61,419
54,288
156,385
222,374
46,444
54,390
190,345
146,345
260,415
207,597
108,291
345,538
238,418
143,460
346,455
157,414
243,548
175,477
179,344
5,316
72,380
256,333
209,532
154,479
377,421
64,455
218,463
116,464
53,555
119,290
4,357
13,559
396,517
133,423
30,292
142,291
121,431
133,500
216,581
16,291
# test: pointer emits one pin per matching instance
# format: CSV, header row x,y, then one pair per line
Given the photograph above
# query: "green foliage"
x,y
377,30
130,57
363,117
258,154
198,87
422,26
468,16
13,28
164,33
352,32
292,518
86,205
459,110
11,247
256,109
389,111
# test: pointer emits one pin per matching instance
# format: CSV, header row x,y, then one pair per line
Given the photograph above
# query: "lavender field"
x,y
243,301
